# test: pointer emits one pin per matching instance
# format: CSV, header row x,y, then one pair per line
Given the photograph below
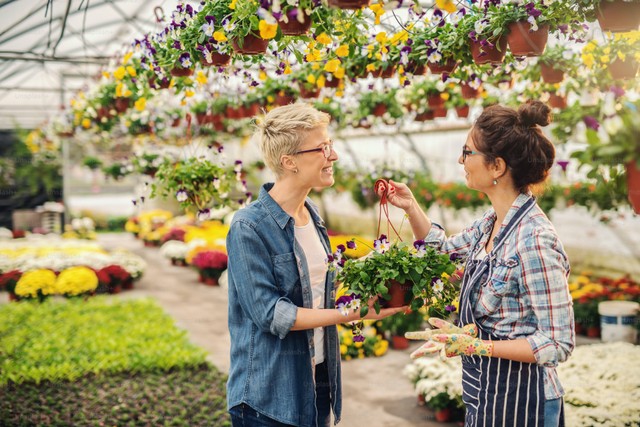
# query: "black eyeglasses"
x,y
326,149
466,153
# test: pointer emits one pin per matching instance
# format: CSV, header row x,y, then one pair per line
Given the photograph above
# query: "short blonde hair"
x,y
283,129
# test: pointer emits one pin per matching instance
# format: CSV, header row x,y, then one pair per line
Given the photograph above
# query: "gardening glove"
x,y
442,327
462,344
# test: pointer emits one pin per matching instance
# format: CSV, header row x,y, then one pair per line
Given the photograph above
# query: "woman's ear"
x,y
499,167
288,163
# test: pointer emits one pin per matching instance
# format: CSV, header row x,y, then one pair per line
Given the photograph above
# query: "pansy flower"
x,y
182,195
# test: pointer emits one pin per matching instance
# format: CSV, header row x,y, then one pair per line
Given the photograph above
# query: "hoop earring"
x,y
495,182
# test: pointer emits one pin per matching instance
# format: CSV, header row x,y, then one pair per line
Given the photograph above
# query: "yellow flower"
x,y
76,281
320,82
119,89
444,95
232,5
36,280
313,55
219,36
106,75
447,5
311,79
140,104
342,51
188,93
131,71
343,349
262,76
287,69
381,37
339,74
378,9
588,60
323,38
332,65
86,123
126,58
119,73
267,31
201,78
622,55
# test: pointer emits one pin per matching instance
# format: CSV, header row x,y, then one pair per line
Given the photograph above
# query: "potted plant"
x,y
439,46
397,274
380,104
615,15
147,163
204,38
77,281
36,284
487,42
113,277
373,343
116,170
249,34
8,281
176,251
210,265
554,62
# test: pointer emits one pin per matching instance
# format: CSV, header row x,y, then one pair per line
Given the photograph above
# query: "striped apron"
x,y
497,392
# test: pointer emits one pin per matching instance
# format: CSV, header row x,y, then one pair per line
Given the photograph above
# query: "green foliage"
x,y
442,401
190,397
92,163
66,340
403,322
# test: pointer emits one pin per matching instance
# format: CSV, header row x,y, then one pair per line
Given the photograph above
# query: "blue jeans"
x,y
245,416
552,410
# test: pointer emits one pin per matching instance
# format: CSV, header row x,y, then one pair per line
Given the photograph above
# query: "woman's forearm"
x,y
419,221
308,318
518,350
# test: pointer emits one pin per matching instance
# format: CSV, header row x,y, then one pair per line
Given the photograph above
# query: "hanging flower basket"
x,y
284,99
379,110
435,100
462,112
217,60
468,92
416,69
252,110
550,74
618,15
294,27
633,185
178,71
161,84
442,67
557,101
388,72
251,45
624,70
333,83
440,112
524,42
309,93
176,122
425,116
486,54
349,4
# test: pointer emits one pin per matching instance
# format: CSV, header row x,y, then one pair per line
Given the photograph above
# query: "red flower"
x,y
210,259
174,234
9,279
116,275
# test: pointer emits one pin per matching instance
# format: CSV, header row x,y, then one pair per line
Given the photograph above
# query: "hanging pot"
x,y
379,110
178,71
468,92
309,93
557,101
349,4
435,100
122,104
294,28
489,55
333,83
442,67
424,116
440,112
624,70
618,15
524,42
251,45
284,99
416,69
387,73
633,185
550,74
217,60
462,112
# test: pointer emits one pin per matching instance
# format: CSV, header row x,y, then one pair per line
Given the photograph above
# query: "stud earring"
x,y
295,171
495,182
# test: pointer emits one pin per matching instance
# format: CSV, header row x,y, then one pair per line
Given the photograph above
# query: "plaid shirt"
x,y
527,295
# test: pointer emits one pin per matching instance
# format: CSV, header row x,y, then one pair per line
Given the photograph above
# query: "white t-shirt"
x,y
316,256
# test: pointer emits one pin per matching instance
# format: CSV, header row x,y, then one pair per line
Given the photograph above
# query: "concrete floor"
x,y
375,393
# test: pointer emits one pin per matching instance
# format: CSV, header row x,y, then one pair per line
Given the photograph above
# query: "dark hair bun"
x,y
534,113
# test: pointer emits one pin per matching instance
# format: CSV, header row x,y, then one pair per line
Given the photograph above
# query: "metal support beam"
x,y
414,150
34,89
26,56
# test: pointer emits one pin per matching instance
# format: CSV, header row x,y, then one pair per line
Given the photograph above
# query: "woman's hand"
x,y
384,312
398,194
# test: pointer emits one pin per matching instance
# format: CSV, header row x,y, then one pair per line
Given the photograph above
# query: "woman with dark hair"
x,y
516,312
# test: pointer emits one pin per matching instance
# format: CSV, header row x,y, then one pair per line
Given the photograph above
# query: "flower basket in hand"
x,y
210,265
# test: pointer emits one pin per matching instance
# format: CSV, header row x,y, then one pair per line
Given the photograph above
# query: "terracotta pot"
x,y
333,83
176,122
379,110
178,71
435,100
424,116
462,112
211,281
468,92
593,332
294,27
416,69
375,73
550,74
400,294
122,104
201,118
399,342
388,72
442,67
524,42
633,185
618,15
127,285
217,60
579,329
494,55
251,45
557,101
252,110
282,99
624,70
440,112
349,4
309,93
233,112
443,415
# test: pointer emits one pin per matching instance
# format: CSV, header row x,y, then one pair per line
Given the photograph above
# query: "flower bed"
x,y
373,343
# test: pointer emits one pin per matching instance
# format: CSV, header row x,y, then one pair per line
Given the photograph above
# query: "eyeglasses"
x,y
326,149
466,153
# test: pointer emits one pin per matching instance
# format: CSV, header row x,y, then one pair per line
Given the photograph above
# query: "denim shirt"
x,y
272,367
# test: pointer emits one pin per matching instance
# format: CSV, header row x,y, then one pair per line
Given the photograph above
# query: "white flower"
x,y
438,286
174,249
207,29
613,125
534,25
182,195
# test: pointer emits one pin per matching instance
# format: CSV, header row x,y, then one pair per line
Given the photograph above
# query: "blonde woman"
x,y
285,353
